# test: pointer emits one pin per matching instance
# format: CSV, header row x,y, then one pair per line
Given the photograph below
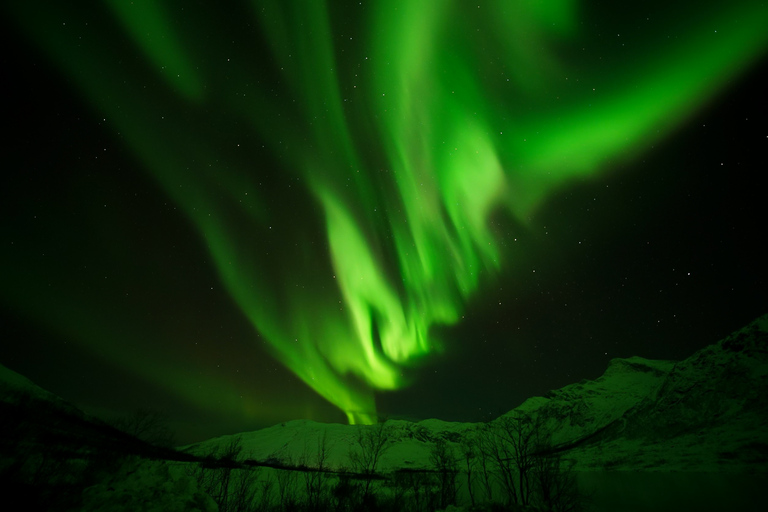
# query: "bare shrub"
x,y
233,486
526,465
286,479
346,493
469,452
315,474
414,490
371,443
555,485
149,425
444,462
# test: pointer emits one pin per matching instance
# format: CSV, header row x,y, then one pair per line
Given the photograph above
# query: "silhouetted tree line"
x,y
502,466
51,457
50,452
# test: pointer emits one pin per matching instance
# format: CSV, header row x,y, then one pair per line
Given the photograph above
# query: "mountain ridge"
x,y
704,413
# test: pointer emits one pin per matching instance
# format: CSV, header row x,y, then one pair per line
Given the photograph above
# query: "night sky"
x,y
254,213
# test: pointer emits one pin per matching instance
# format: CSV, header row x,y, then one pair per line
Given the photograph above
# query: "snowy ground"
x,y
647,435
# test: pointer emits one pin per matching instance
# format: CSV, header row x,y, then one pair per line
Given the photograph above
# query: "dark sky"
x,y
113,298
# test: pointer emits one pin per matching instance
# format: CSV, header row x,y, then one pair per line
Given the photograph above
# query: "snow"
x,y
640,415
702,416
148,486
575,412
13,383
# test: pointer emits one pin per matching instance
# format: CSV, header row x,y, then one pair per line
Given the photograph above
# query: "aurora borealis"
x,y
334,185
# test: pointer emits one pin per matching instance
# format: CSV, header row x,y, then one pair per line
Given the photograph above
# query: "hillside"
x,y
708,414
646,435
705,413
52,455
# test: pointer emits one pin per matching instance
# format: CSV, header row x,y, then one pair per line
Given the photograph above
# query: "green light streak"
x,y
406,139
152,28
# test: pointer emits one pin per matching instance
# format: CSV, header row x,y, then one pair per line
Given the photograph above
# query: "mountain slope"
x,y
702,414
577,412
708,414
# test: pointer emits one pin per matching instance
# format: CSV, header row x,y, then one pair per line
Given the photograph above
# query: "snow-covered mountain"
x,y
705,413
15,387
708,413
646,435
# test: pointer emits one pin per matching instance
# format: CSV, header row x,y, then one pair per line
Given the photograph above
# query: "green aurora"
x,y
405,127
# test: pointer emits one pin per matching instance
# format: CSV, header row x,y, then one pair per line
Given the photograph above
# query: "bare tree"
x,y
499,453
265,503
224,478
419,484
469,452
520,432
483,437
529,469
149,425
286,479
372,442
444,461
346,492
242,490
315,478
555,485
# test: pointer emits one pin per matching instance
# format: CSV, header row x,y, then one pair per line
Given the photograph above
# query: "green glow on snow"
x,y
407,126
